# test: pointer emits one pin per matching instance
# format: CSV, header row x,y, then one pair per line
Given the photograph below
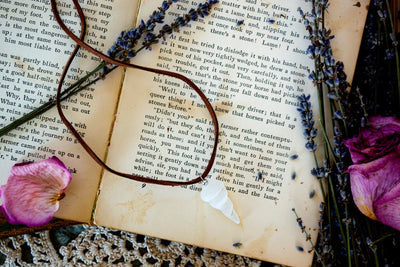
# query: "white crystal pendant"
x,y
214,192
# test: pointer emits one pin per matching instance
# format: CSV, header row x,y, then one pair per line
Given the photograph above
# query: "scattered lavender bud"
x,y
239,22
237,244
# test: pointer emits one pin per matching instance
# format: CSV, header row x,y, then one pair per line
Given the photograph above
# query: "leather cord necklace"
x,y
80,43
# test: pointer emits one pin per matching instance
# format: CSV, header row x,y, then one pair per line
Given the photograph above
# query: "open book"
x,y
157,127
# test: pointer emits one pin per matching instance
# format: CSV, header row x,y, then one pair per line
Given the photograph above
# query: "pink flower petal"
x,y
361,188
374,141
389,124
387,208
376,183
32,193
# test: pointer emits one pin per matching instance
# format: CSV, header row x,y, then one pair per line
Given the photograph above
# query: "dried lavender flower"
x,y
307,120
124,47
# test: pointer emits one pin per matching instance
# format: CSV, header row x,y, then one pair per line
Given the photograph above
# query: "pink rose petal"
x,y
361,188
32,193
376,188
374,141
390,125
387,208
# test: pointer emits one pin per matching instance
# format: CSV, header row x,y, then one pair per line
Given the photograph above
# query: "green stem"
x,y
348,236
336,207
327,142
85,78
382,238
332,191
376,258
43,108
73,89
369,230
320,181
346,132
308,237
354,244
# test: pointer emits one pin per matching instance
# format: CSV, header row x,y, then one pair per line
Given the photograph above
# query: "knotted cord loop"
x,y
80,43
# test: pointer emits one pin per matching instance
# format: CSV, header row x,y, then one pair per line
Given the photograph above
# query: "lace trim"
x,y
100,246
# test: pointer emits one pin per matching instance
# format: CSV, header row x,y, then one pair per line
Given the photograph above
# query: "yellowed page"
x,y
252,74
33,52
347,20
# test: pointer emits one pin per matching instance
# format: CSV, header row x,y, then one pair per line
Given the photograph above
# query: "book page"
x,y
252,74
33,52
347,20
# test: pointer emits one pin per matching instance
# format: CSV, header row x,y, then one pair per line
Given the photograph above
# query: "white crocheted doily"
x,y
99,246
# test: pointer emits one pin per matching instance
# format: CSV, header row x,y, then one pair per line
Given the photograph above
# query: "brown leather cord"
x,y
80,43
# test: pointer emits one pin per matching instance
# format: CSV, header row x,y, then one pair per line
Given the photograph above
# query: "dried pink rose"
x,y
33,191
375,176
379,138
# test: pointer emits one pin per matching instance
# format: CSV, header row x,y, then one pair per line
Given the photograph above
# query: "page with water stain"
x,y
249,59
34,50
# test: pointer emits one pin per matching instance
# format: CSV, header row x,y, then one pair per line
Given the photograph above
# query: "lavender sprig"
x,y
323,172
123,49
310,132
344,232
328,75
202,10
308,237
